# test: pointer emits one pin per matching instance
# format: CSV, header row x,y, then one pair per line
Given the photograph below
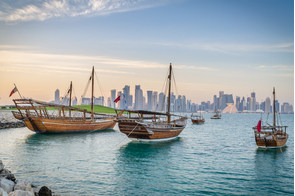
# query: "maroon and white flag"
x,y
117,99
259,126
13,91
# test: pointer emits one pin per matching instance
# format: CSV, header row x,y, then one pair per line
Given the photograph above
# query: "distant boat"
x,y
217,115
159,128
198,119
271,136
37,117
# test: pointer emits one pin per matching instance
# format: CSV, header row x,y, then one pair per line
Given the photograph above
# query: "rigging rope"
x,y
87,85
100,87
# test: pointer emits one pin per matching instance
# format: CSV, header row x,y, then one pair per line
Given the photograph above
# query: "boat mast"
x,y
70,99
92,77
169,91
274,107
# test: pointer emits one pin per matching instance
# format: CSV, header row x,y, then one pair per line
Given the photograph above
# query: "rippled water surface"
x,y
219,157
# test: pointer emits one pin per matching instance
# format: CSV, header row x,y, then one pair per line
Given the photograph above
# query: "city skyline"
x,y
236,46
154,101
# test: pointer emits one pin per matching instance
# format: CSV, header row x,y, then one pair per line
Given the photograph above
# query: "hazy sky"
x,y
235,46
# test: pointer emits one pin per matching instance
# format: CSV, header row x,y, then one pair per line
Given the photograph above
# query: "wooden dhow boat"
x,y
271,136
41,117
159,127
217,115
198,119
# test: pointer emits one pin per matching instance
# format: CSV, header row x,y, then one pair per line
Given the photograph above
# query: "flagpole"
x,y
17,91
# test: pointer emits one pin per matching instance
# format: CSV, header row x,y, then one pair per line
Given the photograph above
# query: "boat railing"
x,y
17,114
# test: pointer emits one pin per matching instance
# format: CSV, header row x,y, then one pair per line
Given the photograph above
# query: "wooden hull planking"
x,y
264,143
198,121
140,132
42,125
271,141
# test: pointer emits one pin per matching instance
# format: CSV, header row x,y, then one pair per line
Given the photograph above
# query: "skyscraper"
x,y
149,100
253,95
238,101
113,97
126,96
183,105
120,103
154,101
56,97
267,105
138,98
161,106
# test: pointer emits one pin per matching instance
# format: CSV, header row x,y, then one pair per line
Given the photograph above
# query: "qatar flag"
x,y
117,99
13,91
259,126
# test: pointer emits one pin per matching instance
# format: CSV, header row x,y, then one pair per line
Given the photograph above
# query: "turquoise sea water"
x,y
219,157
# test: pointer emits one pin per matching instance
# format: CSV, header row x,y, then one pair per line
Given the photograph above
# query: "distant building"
x,y
253,95
86,101
109,102
231,108
161,106
74,101
126,96
56,96
99,101
267,105
138,98
155,101
113,97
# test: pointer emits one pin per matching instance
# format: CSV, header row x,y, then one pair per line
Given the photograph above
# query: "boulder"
x,y
10,177
7,185
44,191
2,192
20,193
4,172
1,166
24,186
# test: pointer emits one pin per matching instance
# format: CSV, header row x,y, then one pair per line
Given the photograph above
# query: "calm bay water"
x,y
219,157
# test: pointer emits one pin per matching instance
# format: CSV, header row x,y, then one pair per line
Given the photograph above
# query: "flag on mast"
x,y
117,99
259,126
13,91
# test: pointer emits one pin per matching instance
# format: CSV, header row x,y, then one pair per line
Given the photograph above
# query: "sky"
x,y
235,46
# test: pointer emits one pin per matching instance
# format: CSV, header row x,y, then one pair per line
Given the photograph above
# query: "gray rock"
x,y
10,177
7,185
20,193
24,186
2,192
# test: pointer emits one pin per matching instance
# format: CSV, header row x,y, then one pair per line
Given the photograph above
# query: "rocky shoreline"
x,y
7,120
9,186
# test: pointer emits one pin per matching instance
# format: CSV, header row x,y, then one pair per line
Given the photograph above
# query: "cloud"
x,y
29,61
41,11
233,48
277,67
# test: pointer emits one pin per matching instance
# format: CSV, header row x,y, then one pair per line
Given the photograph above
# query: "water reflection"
x,y
272,170
138,150
142,166
41,139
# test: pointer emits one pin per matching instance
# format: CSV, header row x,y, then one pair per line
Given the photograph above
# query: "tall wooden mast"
x,y
92,77
274,107
169,91
70,104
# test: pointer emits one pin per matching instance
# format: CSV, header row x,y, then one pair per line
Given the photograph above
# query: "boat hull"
x,y
145,132
198,121
271,143
42,125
